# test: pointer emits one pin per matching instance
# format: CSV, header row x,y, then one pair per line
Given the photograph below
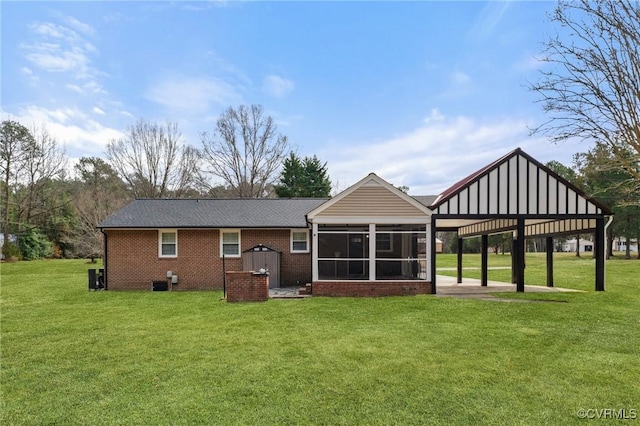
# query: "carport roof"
x,y
516,186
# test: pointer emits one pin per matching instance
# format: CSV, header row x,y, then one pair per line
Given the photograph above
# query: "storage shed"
x,y
263,257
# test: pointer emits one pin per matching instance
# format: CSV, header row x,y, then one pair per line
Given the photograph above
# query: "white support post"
x,y
314,252
372,252
428,252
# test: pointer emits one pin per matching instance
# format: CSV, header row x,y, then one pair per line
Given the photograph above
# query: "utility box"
x,y
96,279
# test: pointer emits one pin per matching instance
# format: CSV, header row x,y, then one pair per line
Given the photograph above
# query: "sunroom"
x,y
372,239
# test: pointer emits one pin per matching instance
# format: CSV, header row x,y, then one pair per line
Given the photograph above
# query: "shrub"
x,y
35,245
11,252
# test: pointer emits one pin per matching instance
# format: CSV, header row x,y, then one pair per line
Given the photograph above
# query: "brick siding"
x,y
133,262
370,288
247,287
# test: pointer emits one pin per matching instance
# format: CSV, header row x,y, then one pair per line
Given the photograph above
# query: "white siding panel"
x,y
503,197
553,195
473,198
522,205
444,209
533,188
542,200
582,205
571,208
513,189
493,189
484,191
464,202
453,205
562,199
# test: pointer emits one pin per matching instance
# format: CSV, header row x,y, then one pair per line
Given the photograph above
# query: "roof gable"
x,y
371,197
516,184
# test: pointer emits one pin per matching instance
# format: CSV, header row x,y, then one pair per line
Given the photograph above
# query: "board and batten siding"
x,y
372,201
517,186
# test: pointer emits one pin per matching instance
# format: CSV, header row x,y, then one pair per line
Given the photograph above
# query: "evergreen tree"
x,y
303,178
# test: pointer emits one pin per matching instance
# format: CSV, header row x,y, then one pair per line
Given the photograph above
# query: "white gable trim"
x,y
370,180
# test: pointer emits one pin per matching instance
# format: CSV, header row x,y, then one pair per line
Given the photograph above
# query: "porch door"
x,y
356,250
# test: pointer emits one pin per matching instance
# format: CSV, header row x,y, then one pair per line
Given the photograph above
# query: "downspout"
x,y
105,257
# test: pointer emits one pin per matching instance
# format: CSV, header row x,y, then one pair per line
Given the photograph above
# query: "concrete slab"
x,y
286,293
470,288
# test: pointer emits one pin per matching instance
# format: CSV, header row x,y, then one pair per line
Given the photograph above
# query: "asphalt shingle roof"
x,y
214,213
427,200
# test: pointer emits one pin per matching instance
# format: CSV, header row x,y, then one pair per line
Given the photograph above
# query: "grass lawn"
x,y
70,356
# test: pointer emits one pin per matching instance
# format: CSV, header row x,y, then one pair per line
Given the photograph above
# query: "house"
x,y
620,244
12,239
189,237
570,245
370,240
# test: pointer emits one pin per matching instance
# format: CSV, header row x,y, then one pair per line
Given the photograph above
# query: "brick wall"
x,y
133,260
295,268
247,287
370,288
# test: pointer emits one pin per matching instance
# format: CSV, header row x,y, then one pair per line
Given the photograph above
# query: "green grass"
x,y
70,356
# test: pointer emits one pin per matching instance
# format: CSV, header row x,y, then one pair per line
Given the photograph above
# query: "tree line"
x,y
50,210
588,87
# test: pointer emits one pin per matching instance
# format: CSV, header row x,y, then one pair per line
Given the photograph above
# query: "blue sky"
x,y
421,93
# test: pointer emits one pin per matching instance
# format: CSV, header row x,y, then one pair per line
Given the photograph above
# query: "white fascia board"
x,y
359,220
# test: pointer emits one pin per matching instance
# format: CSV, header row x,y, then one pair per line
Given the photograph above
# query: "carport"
x,y
519,195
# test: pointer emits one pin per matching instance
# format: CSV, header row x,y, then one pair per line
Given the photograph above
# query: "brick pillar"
x,y
247,287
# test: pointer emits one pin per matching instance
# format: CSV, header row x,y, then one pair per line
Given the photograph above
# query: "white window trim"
x,y
167,231
231,231
301,230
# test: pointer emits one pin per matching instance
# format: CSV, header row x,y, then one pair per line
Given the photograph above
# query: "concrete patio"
x,y
470,288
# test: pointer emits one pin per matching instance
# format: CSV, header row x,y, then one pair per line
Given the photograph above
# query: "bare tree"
x,y
45,161
32,162
100,194
245,151
153,160
590,88
14,138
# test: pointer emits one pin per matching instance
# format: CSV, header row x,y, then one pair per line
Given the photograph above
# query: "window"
x,y
300,241
168,243
384,243
230,243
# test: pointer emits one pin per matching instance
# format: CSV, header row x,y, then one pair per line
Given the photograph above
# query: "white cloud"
x,y
75,88
98,111
528,62
433,156
62,48
53,58
277,86
81,134
193,95
434,116
489,18
459,78
80,26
